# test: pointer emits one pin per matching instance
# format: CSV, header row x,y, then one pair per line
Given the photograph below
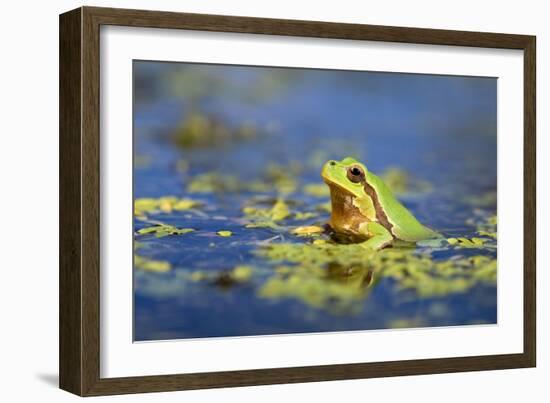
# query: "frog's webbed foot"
x,y
379,236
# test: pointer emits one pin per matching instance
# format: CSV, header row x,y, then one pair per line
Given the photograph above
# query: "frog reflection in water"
x,y
358,277
365,210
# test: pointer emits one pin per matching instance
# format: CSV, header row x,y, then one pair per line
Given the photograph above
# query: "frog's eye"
x,y
356,174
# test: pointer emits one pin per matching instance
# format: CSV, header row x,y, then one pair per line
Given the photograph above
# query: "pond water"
x,y
240,149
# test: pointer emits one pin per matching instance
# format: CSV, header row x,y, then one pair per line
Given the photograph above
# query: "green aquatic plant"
x,y
408,269
195,84
211,182
282,178
266,217
224,233
487,227
401,182
199,130
307,230
305,215
161,230
487,199
274,178
463,242
151,265
405,323
316,189
165,204
325,207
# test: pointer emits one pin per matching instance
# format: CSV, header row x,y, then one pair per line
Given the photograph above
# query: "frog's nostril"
x,y
332,162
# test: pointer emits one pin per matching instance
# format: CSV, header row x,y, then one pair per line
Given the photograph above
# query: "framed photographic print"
x,y
249,201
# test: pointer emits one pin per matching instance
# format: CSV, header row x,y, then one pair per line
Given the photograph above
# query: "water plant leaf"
x,y
324,207
165,204
317,189
408,269
279,178
486,199
300,216
400,182
307,230
279,211
266,217
198,130
224,233
283,177
464,242
147,264
161,230
215,182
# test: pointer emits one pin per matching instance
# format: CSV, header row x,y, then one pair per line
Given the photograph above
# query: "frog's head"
x,y
347,175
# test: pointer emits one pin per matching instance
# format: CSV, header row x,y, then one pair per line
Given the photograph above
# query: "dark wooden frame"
x,y
79,200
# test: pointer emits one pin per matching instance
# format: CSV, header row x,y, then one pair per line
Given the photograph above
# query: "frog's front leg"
x,y
379,236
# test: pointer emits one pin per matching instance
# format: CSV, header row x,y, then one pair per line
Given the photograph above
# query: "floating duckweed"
x,y
487,199
165,204
300,216
267,217
198,131
279,211
211,182
162,230
324,207
146,264
317,189
474,242
486,225
399,181
307,230
409,269
406,323
184,204
263,224
487,233
283,178
224,233
242,273
198,276
275,178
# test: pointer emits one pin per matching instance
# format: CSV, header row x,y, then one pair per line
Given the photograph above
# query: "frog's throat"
x,y
346,214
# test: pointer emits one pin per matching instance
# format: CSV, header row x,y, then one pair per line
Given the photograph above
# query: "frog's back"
x,y
405,226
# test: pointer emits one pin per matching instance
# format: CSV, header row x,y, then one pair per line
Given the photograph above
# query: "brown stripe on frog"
x,y
380,214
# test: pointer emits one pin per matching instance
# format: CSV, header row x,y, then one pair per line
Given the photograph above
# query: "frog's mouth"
x,y
337,189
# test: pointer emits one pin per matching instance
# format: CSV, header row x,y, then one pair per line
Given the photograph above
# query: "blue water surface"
x,y
441,130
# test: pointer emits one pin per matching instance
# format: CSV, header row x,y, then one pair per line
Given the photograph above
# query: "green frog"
x,y
365,210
